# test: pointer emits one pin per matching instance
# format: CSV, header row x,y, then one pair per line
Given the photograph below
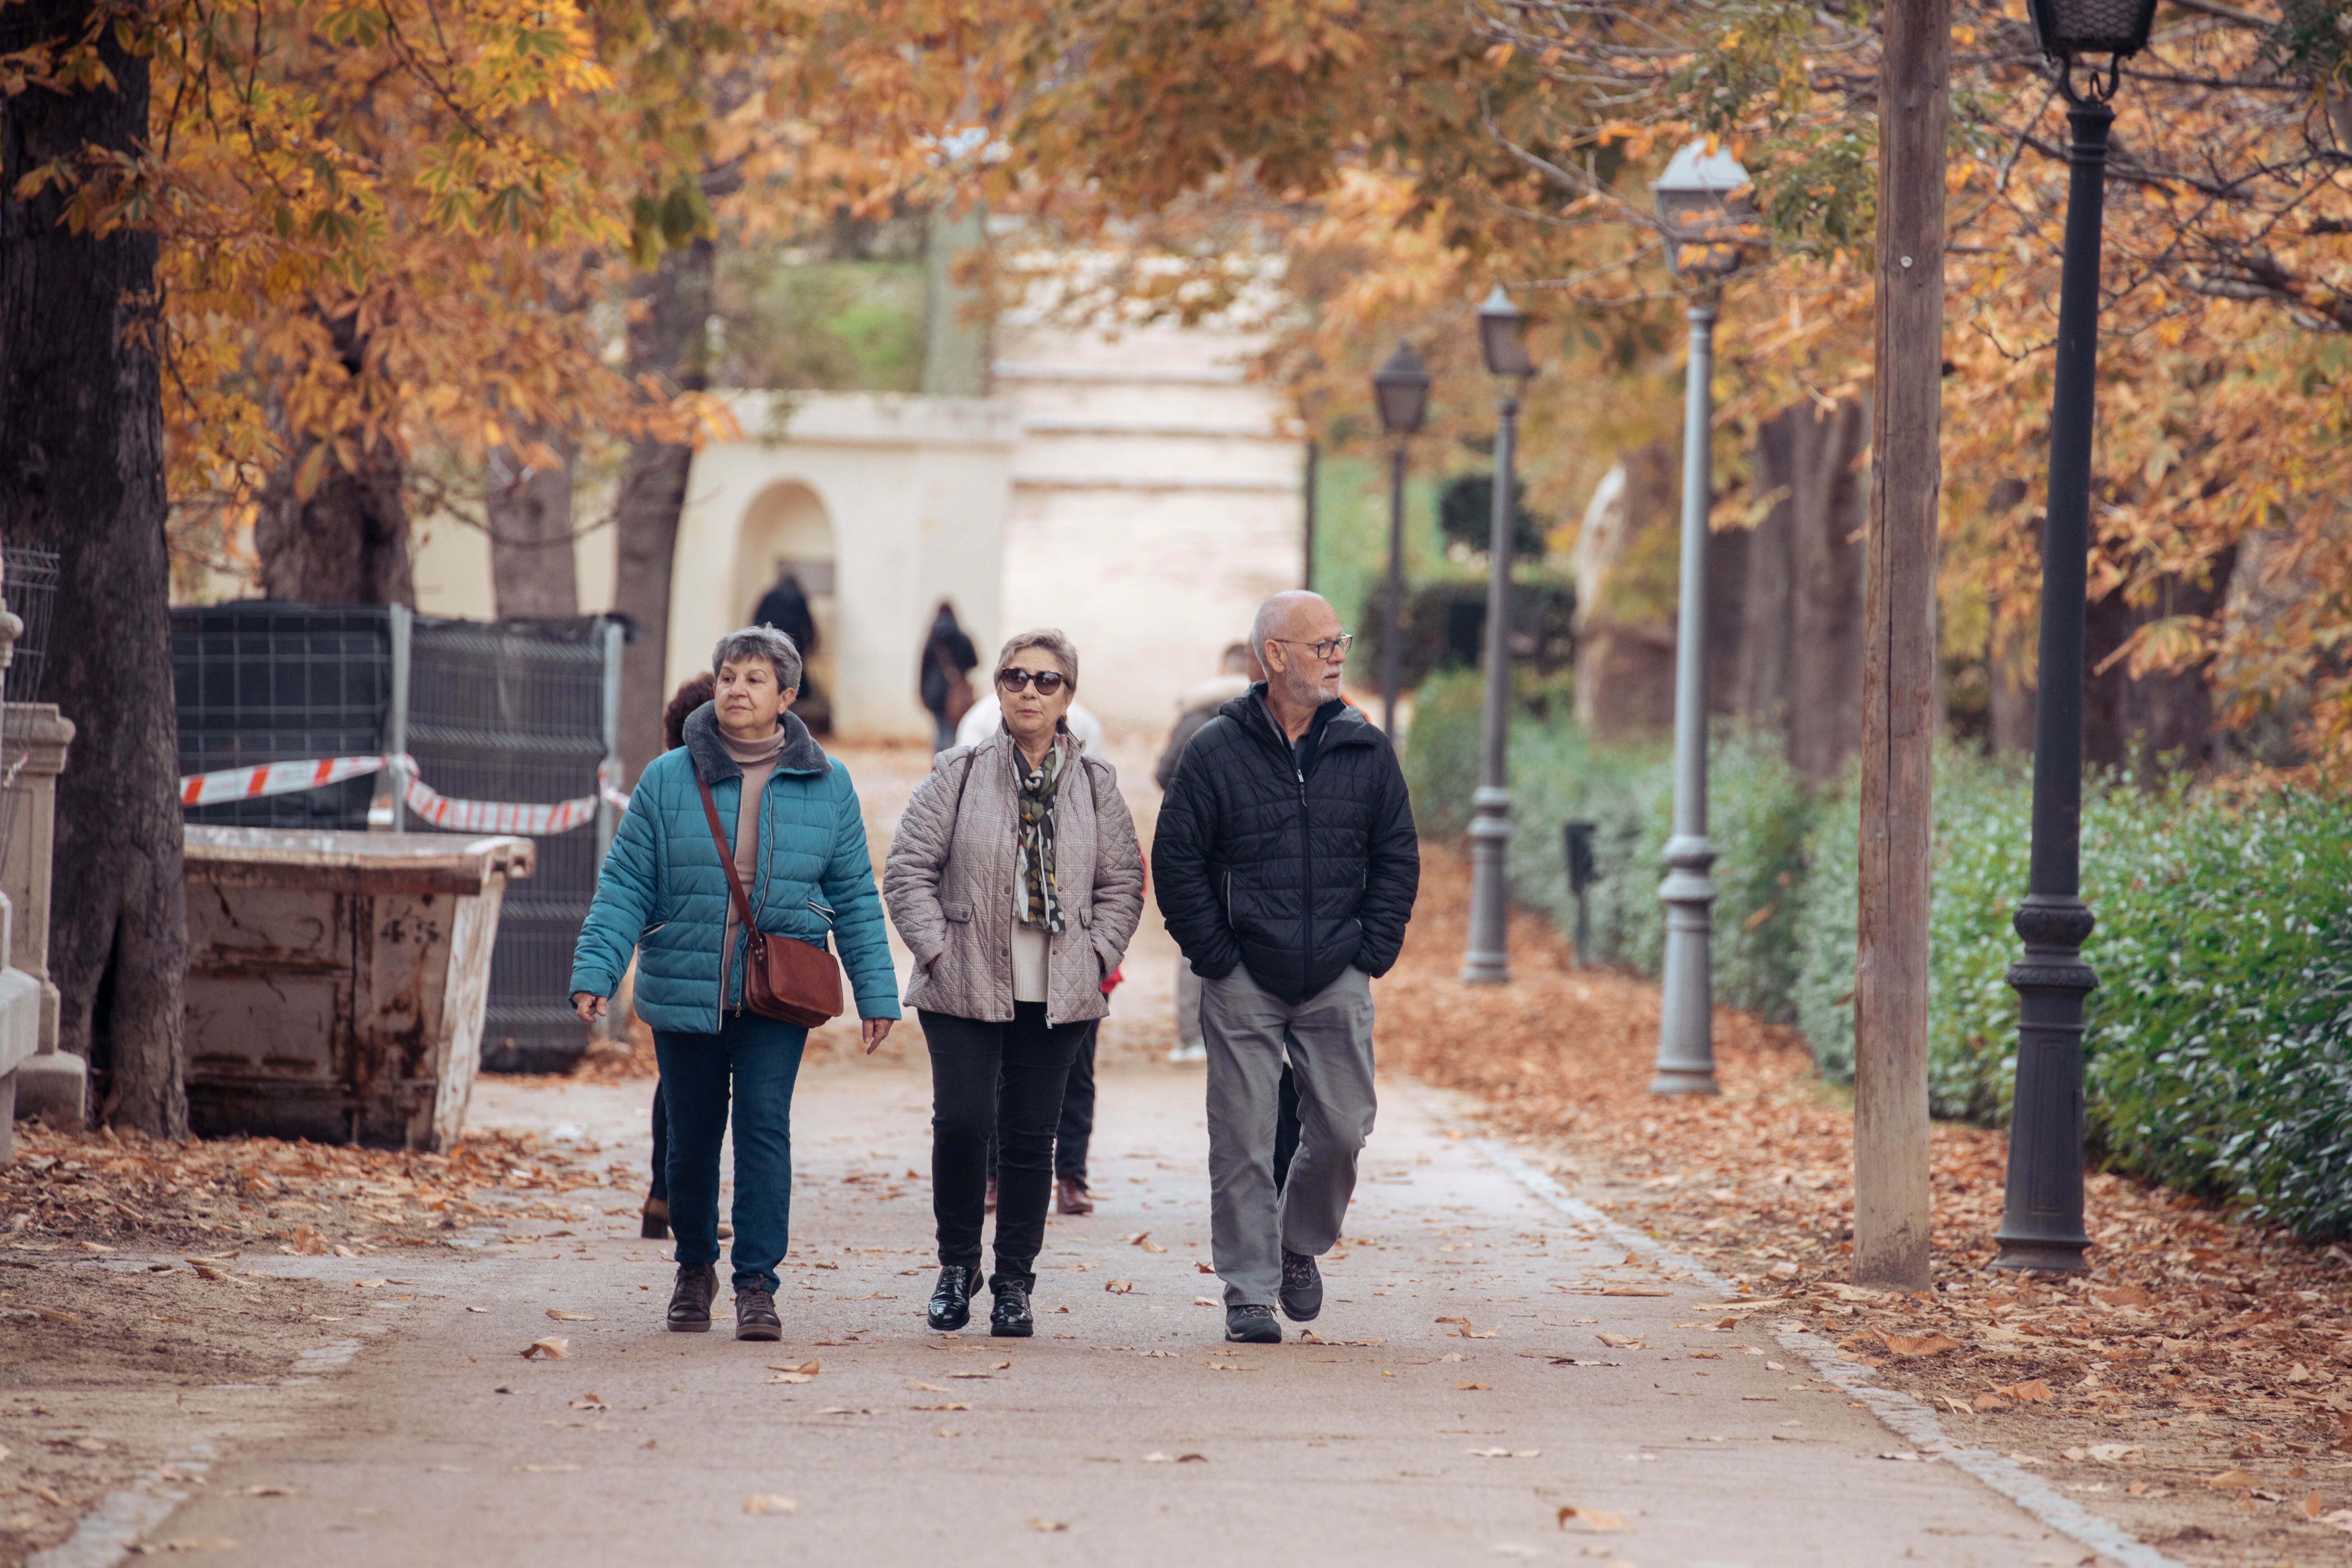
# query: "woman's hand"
x,y
588,1005
876,1031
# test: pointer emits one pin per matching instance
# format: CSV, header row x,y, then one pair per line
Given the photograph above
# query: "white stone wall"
x,y
1157,499
914,492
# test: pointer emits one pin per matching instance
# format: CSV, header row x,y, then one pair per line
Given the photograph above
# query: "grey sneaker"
x,y
1251,1325
1302,1287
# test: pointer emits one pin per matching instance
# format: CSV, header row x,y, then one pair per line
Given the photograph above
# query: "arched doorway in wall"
x,y
787,533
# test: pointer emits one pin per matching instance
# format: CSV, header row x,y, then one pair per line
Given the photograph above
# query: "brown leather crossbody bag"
x,y
783,978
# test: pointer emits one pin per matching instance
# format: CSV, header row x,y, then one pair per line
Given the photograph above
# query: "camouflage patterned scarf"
x,y
1034,903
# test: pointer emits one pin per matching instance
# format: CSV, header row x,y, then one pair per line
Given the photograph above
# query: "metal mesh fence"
x,y
511,712
260,682
31,587
515,711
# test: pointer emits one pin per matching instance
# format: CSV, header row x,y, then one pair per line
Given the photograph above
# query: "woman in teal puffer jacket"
x,y
802,857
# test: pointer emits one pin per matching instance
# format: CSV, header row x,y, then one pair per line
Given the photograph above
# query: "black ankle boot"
x,y
1010,1319
951,1306
689,1302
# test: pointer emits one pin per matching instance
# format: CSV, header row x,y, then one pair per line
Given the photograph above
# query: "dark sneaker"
x,y
689,1301
1070,1195
951,1306
656,1221
1251,1325
755,1315
1302,1287
1010,1319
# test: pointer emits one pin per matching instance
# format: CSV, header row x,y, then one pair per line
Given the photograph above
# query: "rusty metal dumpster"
x,y
337,981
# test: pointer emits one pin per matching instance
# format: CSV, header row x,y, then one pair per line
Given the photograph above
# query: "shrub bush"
x,y
2219,1041
1760,819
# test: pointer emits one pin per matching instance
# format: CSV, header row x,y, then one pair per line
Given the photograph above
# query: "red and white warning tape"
x,y
461,815
275,778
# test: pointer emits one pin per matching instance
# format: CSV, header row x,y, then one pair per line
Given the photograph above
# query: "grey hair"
x,y
1053,640
761,642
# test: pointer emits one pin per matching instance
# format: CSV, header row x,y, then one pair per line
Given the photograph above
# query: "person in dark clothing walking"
x,y
785,608
944,682
1286,864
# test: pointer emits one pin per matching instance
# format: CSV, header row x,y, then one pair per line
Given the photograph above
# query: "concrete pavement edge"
x,y
1902,1414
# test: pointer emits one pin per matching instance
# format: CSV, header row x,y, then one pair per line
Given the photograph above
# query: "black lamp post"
x,y
1401,387
1710,223
2042,1219
1502,341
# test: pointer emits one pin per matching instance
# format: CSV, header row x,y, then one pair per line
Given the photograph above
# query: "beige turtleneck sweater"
x,y
758,761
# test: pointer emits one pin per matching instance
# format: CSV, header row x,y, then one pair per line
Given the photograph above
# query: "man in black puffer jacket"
x,y
1286,864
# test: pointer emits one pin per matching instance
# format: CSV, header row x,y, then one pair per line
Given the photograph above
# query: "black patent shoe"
x,y
951,1306
1010,1319
689,1301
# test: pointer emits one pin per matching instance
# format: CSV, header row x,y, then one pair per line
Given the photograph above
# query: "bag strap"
x,y
725,852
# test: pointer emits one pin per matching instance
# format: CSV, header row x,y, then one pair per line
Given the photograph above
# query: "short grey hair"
x,y
761,642
1274,616
1053,640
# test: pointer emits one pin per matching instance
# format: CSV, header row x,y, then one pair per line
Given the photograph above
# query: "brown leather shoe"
x,y
1070,1196
655,1226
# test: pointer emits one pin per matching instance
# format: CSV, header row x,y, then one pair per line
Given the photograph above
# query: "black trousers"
x,y
1005,1079
1077,1129
1078,1124
659,1191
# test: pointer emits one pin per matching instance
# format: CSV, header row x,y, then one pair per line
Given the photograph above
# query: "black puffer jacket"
x,y
1295,878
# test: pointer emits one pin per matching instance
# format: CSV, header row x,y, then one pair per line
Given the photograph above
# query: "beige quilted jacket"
x,y
948,885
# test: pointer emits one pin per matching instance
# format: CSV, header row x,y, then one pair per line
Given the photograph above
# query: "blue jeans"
x,y
758,1058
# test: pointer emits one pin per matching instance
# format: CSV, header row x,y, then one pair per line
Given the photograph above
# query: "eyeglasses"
x,y
1328,649
1048,681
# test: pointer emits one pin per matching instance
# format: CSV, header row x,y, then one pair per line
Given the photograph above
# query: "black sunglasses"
x,y
1048,681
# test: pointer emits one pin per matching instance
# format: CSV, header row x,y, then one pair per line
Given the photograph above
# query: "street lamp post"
x,y
1709,223
1400,388
2042,1216
1502,341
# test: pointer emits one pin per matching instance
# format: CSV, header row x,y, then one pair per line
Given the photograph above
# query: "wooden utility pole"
x,y
1898,721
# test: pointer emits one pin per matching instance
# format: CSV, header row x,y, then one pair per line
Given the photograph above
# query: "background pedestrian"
x,y
944,681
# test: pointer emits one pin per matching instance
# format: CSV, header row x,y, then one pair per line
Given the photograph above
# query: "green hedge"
x,y
1760,818
2220,1036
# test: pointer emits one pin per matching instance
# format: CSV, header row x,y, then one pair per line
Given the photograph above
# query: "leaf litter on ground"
x,y
2197,1337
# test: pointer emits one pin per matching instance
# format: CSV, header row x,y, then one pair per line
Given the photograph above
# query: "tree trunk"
x,y
2161,722
1625,576
346,544
665,342
81,473
534,566
1792,658
1899,707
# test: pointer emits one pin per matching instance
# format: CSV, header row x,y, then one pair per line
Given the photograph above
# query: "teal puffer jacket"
x,y
663,891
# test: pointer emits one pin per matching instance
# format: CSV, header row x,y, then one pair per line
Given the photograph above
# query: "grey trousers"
x,y
1188,1006
1330,1040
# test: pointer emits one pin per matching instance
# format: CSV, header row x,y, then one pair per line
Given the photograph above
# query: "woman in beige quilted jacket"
x,y
1016,881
